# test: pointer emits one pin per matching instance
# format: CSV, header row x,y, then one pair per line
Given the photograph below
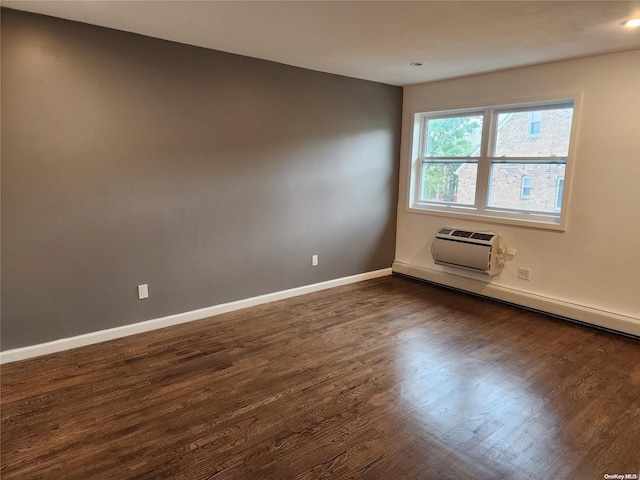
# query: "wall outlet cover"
x,y
524,273
143,291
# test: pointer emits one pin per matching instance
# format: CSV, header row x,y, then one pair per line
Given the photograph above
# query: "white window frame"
x,y
480,211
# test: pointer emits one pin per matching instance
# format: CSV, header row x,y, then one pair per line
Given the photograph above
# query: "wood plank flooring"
x,y
384,379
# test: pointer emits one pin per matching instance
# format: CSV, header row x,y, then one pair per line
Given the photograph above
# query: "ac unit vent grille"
x,y
462,233
482,236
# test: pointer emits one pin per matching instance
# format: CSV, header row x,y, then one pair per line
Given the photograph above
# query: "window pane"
x,y
454,136
559,192
449,182
527,183
509,189
535,118
536,133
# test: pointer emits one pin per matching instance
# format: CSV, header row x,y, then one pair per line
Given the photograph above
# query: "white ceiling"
x,y
374,40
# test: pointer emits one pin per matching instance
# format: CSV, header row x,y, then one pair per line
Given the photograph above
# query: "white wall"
x,y
594,265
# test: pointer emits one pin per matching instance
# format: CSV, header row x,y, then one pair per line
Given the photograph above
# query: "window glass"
x,y
559,192
538,186
525,192
535,120
449,182
454,136
551,139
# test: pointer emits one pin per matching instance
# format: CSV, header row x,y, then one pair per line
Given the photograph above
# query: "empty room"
x,y
322,239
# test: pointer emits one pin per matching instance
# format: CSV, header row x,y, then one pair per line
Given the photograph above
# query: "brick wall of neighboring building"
x,y
467,184
513,138
506,188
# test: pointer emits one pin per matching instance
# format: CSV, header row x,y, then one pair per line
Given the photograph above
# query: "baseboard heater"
x,y
474,251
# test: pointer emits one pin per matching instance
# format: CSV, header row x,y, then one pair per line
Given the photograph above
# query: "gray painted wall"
x,y
211,177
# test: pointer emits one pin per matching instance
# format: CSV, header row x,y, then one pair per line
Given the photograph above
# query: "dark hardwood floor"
x,y
384,379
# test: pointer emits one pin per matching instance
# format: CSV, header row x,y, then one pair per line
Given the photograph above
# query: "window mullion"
x,y
484,163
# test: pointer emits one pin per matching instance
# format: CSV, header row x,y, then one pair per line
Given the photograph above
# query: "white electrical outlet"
x,y
143,291
314,260
524,273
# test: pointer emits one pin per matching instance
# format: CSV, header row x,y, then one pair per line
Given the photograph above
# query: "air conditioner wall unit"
x,y
474,251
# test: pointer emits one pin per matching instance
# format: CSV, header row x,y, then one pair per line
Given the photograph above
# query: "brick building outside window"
x,y
524,186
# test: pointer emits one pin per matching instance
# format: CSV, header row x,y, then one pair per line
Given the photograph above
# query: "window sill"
x,y
469,213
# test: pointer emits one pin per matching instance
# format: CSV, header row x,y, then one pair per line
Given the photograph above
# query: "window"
x,y
559,192
525,189
535,121
449,144
485,162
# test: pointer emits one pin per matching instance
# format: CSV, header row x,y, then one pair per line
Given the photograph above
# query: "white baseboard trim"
x,y
154,324
553,306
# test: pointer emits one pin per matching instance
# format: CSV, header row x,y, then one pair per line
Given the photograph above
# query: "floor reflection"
x,y
473,407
